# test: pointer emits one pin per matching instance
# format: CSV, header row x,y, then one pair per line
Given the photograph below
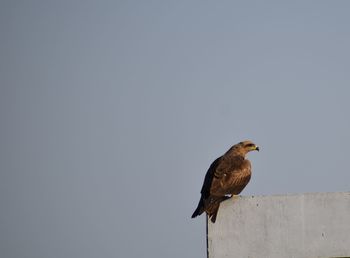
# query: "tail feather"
x,y
200,208
213,215
214,207
210,206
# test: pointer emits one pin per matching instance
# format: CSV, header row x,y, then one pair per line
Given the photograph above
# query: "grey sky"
x,y
112,111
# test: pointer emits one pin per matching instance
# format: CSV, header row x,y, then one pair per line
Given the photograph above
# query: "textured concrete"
x,y
300,226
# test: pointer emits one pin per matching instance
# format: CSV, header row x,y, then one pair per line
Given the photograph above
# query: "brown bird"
x,y
226,176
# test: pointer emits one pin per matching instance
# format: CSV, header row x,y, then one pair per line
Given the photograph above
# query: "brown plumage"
x,y
226,176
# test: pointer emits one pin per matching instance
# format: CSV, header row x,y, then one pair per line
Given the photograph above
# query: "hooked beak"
x,y
257,148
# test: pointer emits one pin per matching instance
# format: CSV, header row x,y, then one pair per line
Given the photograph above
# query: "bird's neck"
x,y
238,154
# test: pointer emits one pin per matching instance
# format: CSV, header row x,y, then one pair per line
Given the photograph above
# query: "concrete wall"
x,y
300,226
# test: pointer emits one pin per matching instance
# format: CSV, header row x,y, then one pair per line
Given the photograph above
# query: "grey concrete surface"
x,y
299,226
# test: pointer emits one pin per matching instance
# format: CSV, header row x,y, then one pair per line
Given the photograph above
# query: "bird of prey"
x,y
226,176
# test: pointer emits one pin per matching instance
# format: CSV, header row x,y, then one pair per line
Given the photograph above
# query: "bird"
x,y
227,176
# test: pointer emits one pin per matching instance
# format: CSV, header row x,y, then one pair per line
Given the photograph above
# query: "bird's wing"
x,y
230,176
209,178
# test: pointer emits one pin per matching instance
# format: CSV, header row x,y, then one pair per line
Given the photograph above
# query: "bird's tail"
x,y
214,207
210,206
214,212
200,208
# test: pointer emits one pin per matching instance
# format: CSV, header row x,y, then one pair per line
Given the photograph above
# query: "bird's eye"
x,y
250,145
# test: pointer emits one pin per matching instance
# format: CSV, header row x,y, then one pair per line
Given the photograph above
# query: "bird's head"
x,y
243,148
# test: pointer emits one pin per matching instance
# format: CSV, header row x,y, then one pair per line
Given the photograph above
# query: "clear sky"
x,y
112,111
